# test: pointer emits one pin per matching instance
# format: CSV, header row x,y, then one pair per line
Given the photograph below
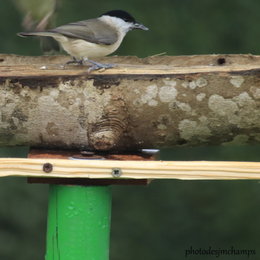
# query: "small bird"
x,y
40,15
92,38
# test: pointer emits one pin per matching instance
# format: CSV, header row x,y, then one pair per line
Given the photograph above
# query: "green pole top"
x,y
78,223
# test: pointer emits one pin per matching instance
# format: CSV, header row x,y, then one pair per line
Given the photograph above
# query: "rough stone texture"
x,y
142,103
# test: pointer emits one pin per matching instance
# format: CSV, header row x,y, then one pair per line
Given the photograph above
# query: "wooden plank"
x,y
26,66
86,155
103,169
121,69
154,102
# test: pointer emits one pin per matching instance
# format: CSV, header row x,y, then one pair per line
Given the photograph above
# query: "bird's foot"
x,y
101,66
98,65
74,61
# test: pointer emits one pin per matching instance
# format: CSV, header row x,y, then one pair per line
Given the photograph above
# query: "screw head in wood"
x,y
47,167
116,172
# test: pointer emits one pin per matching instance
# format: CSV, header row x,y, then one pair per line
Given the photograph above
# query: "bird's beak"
x,y
140,26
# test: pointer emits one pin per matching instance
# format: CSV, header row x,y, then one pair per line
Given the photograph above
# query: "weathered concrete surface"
x,y
152,102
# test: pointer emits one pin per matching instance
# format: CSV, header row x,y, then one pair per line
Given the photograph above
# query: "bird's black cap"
x,y
121,14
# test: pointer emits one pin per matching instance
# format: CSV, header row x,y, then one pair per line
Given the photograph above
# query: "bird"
x,y
40,15
92,38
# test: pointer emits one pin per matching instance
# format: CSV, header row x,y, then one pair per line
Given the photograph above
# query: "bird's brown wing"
x,y
92,30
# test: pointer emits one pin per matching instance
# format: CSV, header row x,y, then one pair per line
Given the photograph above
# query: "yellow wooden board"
x,y
96,169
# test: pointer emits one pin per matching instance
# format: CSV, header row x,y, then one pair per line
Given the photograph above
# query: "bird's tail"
x,y
46,34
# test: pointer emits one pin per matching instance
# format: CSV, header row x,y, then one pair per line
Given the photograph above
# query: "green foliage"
x,y
162,220
176,27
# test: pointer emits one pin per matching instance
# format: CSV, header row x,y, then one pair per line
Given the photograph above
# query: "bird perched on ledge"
x,y
92,38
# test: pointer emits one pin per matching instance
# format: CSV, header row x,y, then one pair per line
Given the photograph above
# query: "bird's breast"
x,y
82,49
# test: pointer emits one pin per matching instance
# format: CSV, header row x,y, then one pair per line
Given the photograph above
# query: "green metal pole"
x,y
78,223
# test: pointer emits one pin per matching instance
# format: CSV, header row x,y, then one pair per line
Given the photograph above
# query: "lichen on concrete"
x,y
193,84
255,92
150,95
238,140
167,94
193,131
200,96
237,81
222,107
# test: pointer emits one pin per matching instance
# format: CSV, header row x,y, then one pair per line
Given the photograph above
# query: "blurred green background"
x,y
164,219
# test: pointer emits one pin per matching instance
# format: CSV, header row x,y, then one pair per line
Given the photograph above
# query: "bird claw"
x,y
74,61
100,66
95,65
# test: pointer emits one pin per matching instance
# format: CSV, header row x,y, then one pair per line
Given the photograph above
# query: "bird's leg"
x,y
74,61
98,65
